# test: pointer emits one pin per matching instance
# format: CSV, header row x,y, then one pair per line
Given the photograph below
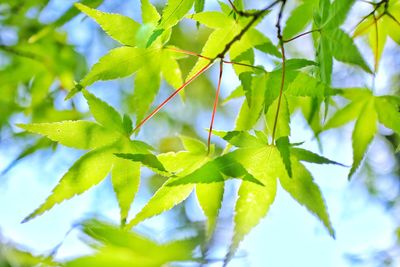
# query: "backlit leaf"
x,y
210,200
117,63
125,177
76,134
86,172
254,201
364,132
121,28
303,189
104,113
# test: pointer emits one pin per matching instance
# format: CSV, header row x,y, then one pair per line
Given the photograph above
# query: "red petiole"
x,y
211,60
171,96
221,64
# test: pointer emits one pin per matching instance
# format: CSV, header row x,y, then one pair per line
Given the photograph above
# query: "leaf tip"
x,y
28,218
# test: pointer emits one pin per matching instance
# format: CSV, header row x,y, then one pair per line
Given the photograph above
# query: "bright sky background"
x,y
288,236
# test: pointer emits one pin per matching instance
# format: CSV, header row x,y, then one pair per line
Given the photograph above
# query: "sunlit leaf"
x,y
364,132
303,189
125,177
86,172
104,113
76,134
121,28
117,63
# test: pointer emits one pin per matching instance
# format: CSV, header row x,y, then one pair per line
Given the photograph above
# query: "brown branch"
x,y
255,16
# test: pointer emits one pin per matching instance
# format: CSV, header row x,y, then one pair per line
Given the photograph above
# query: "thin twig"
x,y
251,13
255,16
186,52
300,35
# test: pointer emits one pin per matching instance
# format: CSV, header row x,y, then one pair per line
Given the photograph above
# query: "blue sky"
x,y
288,236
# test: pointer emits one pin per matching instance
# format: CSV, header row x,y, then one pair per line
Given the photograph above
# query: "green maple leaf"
x,y
225,28
182,164
367,110
384,23
334,42
298,85
166,197
103,138
299,18
217,170
266,163
173,12
150,63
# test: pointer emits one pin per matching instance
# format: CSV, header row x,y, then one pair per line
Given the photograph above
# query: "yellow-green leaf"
x,y
86,172
388,112
174,11
76,134
254,201
212,19
117,63
104,113
167,197
125,177
149,12
303,189
121,28
210,200
364,132
170,69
